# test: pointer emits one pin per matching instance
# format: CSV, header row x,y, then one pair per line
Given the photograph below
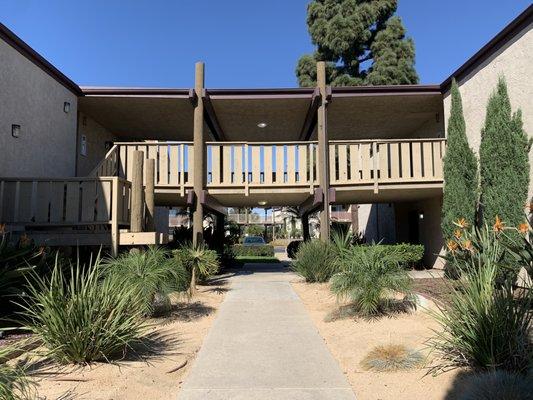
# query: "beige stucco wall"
x,y
34,100
377,222
96,137
515,62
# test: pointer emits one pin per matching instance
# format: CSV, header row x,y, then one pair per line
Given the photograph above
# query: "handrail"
x,y
105,161
387,140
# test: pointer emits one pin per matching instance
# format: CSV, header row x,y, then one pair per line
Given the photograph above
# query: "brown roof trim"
x,y
270,93
496,43
23,48
134,91
385,90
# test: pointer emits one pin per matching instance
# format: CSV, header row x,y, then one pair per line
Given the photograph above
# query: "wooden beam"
x,y
211,118
199,154
137,192
211,203
149,194
191,198
323,149
312,203
311,117
193,97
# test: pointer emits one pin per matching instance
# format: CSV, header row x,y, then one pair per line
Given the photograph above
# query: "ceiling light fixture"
x,y
262,125
262,203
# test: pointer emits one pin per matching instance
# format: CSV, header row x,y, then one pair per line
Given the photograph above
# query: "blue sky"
x,y
244,43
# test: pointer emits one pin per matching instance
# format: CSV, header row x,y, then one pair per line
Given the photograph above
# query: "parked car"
x,y
253,241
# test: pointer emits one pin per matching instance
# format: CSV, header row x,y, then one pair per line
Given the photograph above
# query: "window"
x,y
83,145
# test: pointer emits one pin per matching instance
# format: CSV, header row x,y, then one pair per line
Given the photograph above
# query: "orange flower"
x,y
461,223
457,233
467,245
452,245
523,228
498,226
2,228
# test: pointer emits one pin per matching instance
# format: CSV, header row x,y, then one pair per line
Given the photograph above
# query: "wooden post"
x,y
149,195
115,213
199,155
305,227
354,209
323,150
137,192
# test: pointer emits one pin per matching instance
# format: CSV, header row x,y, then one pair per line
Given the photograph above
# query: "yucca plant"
x,y
485,326
149,275
81,318
199,261
315,261
370,278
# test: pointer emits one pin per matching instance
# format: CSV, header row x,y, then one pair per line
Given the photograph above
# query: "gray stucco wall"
x,y
514,61
31,98
96,138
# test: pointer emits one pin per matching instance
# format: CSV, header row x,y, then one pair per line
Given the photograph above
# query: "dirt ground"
x,y
349,340
176,339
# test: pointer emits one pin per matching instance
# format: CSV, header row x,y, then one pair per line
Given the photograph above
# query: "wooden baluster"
x,y
268,163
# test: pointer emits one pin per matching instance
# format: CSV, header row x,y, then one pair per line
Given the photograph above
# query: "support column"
x,y
137,192
149,195
199,155
305,227
323,150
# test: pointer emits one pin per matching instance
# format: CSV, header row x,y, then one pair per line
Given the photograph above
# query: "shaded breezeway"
x,y
263,345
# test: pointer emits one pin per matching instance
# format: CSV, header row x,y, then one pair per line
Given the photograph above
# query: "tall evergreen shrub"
x,y
460,171
504,164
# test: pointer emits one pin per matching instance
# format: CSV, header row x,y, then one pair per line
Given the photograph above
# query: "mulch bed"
x,y
436,289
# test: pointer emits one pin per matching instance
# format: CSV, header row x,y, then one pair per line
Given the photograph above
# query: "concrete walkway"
x,y
263,345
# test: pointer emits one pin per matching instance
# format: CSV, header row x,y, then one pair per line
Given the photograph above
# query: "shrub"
x,y
501,385
407,255
80,318
292,248
503,160
151,275
485,326
392,357
14,381
199,261
264,250
460,171
315,261
369,277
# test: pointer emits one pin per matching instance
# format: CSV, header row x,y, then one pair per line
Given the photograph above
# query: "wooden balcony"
x,y
285,169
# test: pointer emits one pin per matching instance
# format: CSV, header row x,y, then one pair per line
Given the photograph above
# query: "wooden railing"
x,y
386,161
248,164
65,202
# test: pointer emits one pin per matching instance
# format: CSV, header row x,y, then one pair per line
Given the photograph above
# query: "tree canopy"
x,y
362,41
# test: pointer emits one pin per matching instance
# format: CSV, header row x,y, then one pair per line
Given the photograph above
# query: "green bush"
x,y
14,381
484,326
501,385
150,275
315,261
264,250
405,254
201,263
81,318
369,276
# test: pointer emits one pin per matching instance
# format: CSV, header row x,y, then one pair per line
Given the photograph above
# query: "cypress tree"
x,y
362,42
460,171
504,163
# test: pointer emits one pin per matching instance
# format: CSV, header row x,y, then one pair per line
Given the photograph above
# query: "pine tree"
x,y
362,42
460,171
504,163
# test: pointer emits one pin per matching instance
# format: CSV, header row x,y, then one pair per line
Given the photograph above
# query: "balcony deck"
x,y
286,173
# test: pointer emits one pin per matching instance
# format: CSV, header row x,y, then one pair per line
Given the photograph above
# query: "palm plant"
x,y
368,276
81,318
485,326
150,275
199,261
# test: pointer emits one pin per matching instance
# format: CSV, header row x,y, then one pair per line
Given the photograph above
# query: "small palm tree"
x,y
200,261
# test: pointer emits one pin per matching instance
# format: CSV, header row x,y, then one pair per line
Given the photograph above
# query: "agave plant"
x,y
150,276
370,277
81,318
199,261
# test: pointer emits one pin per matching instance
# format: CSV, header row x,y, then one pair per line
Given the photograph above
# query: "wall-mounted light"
x,y
15,130
66,107
262,125
421,215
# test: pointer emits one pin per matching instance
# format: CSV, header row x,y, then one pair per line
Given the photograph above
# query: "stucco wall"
x,y
31,98
377,222
515,62
96,138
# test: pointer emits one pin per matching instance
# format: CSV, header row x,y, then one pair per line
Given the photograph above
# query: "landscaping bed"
x,y
153,373
350,339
